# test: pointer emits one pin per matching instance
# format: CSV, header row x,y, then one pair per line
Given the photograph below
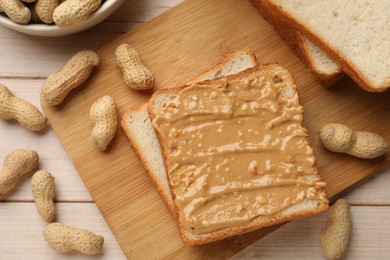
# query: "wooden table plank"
x,y
27,60
299,239
296,240
22,227
373,190
52,155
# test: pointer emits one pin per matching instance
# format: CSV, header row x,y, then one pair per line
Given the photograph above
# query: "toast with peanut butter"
x,y
138,127
236,154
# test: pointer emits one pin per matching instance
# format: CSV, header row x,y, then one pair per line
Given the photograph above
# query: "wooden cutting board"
x,y
176,46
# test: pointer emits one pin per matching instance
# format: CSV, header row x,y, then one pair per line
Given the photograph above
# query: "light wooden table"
x,y
26,61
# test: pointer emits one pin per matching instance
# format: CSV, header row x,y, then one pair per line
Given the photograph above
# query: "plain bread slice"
x,y
355,33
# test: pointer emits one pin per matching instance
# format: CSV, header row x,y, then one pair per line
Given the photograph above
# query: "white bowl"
x,y
48,30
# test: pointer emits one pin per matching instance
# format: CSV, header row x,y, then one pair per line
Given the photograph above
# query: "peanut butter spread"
x,y
236,150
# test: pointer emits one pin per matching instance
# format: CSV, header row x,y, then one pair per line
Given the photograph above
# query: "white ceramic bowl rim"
x,y
105,10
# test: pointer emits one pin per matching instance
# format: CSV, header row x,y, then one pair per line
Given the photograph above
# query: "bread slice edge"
x,y
313,56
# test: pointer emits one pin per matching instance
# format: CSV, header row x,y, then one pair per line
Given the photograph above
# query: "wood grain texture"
x,y
24,227
21,235
52,156
176,46
33,58
282,244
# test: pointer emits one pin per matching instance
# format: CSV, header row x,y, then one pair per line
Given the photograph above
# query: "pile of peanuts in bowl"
x,y
54,17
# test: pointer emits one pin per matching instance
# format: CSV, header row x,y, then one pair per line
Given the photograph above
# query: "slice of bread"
x,y
138,128
355,33
234,62
265,79
320,64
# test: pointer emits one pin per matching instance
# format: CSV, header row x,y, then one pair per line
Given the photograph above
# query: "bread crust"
x,y
295,41
168,201
258,222
220,64
325,45
326,79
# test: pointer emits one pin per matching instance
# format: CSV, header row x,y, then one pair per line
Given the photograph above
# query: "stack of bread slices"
x,y
336,37
198,221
